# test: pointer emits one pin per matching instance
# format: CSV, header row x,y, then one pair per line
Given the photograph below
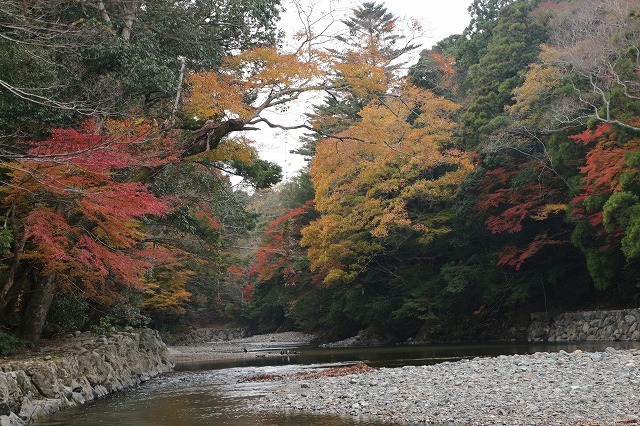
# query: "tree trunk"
x,y
10,315
18,245
38,302
183,65
104,15
129,12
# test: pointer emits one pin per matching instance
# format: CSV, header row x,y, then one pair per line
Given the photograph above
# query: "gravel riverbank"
x,y
578,388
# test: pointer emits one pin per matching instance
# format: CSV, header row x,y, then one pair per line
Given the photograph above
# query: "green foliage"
x,y
457,277
513,44
68,312
622,210
6,239
260,174
66,58
105,326
522,225
477,35
128,313
412,235
121,314
9,344
631,240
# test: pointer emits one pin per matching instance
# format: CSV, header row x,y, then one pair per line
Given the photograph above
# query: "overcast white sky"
x,y
438,18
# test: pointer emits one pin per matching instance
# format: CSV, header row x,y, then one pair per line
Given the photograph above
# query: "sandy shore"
x,y
262,345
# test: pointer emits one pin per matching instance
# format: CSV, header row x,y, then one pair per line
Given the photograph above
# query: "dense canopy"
x,y
497,176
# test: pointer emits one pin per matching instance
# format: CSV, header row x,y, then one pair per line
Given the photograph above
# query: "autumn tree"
x,y
467,244
75,222
110,58
437,70
605,208
382,185
124,52
589,68
280,274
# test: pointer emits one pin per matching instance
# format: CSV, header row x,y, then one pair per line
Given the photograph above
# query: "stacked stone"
x,y
208,335
222,335
586,326
92,368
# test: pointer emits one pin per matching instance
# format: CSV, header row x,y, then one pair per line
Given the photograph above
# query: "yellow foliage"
x,y
363,79
396,156
265,66
238,148
246,78
548,210
540,81
215,96
164,290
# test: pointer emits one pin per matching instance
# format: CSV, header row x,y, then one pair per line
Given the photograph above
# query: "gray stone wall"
x,y
206,335
85,369
585,326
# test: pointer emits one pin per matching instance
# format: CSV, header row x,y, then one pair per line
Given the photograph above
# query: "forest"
x,y
442,200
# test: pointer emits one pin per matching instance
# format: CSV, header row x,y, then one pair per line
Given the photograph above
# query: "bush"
x,y
121,315
69,312
106,325
128,314
10,344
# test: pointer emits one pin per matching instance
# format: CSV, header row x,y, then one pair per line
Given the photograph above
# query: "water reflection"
x,y
218,397
398,356
215,393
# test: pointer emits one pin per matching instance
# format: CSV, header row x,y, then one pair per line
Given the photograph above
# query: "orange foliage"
x,y
244,80
215,96
447,65
367,177
365,73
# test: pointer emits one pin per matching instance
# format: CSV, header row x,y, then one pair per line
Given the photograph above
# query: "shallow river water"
x,y
214,393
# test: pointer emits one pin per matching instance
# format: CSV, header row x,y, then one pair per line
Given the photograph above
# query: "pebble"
x,y
540,389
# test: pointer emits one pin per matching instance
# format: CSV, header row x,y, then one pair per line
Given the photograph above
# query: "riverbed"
x,y
560,388
216,391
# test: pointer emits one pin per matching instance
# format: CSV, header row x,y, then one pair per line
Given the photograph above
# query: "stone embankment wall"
x,y
80,371
207,335
585,326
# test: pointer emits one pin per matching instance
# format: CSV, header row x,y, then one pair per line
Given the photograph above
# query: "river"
x,y
215,393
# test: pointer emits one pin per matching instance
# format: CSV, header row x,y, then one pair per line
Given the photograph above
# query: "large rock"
x,y
85,369
10,393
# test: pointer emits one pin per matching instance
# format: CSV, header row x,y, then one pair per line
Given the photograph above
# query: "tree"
x,y
205,221
472,46
513,45
606,206
113,57
436,71
75,221
386,174
589,69
372,26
